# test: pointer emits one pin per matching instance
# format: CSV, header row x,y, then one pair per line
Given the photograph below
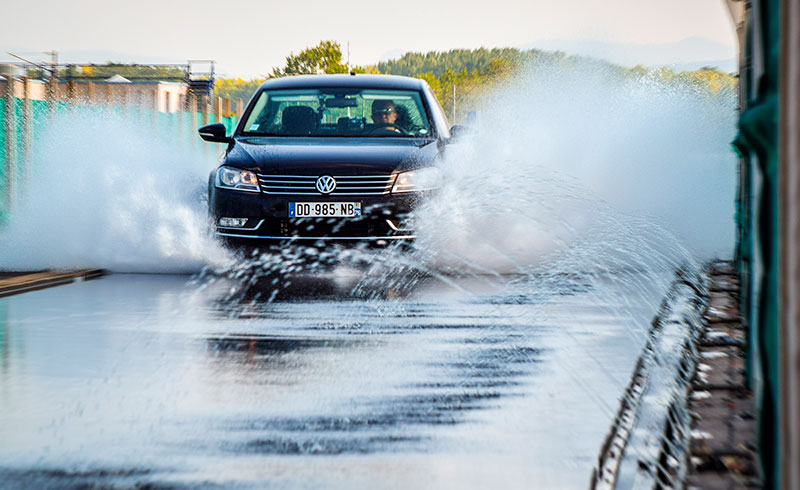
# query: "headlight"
x,y
418,180
234,178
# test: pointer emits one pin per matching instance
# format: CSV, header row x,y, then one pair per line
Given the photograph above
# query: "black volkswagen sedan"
x,y
328,157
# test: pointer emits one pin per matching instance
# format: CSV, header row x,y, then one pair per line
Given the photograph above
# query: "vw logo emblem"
x,y
325,184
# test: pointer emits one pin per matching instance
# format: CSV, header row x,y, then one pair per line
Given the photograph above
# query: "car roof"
x,y
354,81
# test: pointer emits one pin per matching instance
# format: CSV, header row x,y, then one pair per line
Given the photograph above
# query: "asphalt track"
x,y
158,381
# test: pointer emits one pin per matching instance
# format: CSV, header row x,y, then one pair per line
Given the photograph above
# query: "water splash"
x,y
570,160
105,191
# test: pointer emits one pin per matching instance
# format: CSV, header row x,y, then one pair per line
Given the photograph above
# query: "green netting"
x,y
39,111
759,224
3,160
175,128
19,113
10,161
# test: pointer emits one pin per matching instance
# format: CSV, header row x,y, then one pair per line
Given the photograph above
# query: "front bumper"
x,y
384,218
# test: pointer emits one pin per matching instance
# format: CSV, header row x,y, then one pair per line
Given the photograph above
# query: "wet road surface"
x,y
151,381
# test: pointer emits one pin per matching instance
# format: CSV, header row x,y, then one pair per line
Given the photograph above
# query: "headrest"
x,y
298,119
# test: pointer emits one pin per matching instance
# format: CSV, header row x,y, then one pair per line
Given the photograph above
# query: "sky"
x,y
248,38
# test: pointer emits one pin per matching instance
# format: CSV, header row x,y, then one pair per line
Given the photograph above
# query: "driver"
x,y
384,114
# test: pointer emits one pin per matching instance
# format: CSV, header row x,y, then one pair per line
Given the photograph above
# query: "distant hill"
x,y
727,66
437,63
687,54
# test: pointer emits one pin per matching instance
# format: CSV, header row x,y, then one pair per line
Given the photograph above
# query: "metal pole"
x,y
218,109
53,85
52,94
91,93
789,205
454,102
54,63
192,110
155,103
71,89
204,108
111,95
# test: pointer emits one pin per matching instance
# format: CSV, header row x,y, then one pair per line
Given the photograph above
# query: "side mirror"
x,y
214,133
457,131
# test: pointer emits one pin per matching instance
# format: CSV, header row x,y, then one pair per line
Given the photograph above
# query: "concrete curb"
x,y
24,282
723,445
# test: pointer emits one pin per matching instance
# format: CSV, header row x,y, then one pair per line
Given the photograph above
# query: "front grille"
x,y
346,185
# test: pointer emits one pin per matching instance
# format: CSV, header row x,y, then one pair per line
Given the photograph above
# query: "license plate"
x,y
324,209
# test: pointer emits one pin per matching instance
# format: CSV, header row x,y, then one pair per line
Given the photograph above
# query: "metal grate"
x,y
346,185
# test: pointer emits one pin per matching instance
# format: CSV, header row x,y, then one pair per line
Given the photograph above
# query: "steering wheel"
x,y
388,128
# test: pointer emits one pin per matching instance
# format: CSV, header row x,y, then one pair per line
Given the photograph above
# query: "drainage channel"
x,y
686,419
648,441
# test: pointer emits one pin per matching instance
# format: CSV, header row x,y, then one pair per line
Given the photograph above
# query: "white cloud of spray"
x,y
568,154
104,191
576,149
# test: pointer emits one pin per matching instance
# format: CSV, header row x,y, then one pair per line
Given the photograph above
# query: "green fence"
x,y
758,226
22,122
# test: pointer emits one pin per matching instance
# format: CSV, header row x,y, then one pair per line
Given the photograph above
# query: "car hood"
x,y
307,156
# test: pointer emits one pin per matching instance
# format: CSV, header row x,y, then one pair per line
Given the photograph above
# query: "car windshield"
x,y
333,112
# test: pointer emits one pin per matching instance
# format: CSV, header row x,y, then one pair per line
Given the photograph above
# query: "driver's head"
x,y
384,112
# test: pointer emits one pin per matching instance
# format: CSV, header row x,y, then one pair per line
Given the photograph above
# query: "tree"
x,y
326,57
236,88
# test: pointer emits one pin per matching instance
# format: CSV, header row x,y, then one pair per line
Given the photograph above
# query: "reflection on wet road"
x,y
135,380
